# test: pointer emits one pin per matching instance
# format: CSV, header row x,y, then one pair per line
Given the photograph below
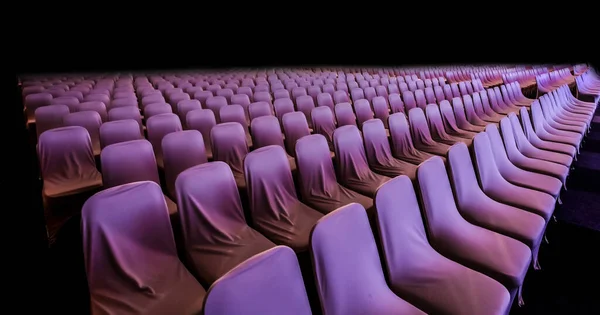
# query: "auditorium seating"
x,y
395,190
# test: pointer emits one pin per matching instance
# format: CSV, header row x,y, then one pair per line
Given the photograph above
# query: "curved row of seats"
x,y
516,186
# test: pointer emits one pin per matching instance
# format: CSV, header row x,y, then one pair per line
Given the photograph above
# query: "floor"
x,y
567,283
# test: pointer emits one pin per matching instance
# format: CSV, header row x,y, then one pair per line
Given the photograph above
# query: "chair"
x,y
91,121
265,132
282,291
49,117
498,188
363,111
259,109
70,101
101,98
421,135
436,126
235,113
402,146
502,258
295,127
216,237
127,112
95,106
156,109
242,100
184,107
396,104
544,144
475,124
157,127
409,100
344,253
229,145
318,184
119,131
341,96
417,272
130,101
344,114
480,209
323,123
450,123
215,103
275,209
181,150
202,120
126,227
381,109
282,107
351,163
305,104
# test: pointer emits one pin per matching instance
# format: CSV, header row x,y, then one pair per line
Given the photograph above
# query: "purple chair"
x,y
396,103
227,93
357,94
70,101
259,109
242,100
560,122
154,98
228,141
216,237
49,117
448,92
276,211
381,109
265,132
91,121
318,184
341,96
128,112
436,125
480,209
527,149
283,106
344,253
202,96
247,90
344,114
181,150
401,142
95,106
351,163
500,257
455,89
235,113
184,107
305,105
379,154
324,99
282,291
215,103
544,144
417,272
493,114
461,114
157,109
202,120
494,104
324,123
430,96
535,165
94,98
119,131
409,100
498,188
281,94
119,239
363,111
421,135
450,123
124,102
295,127
157,127
298,91
439,93
263,96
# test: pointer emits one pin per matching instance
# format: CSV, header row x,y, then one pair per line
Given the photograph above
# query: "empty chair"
x,y
215,103
495,255
262,96
128,112
265,132
235,113
363,111
482,101
516,175
379,153
203,96
448,92
153,98
535,165
215,234
275,209
543,144
430,96
202,120
482,210
555,120
298,91
461,115
282,291
402,145
344,254
420,99
247,90
184,107
498,188
227,93
369,93
242,100
258,109
103,98
344,114
49,117
420,274
436,125
124,102
325,99
409,100
70,101
421,135
65,187
439,93
341,96
96,106
119,131
527,149
351,163
380,109
294,128
119,239
181,150
305,104
279,94
91,121
396,103
318,184
324,123
157,127
450,124
282,106
228,141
